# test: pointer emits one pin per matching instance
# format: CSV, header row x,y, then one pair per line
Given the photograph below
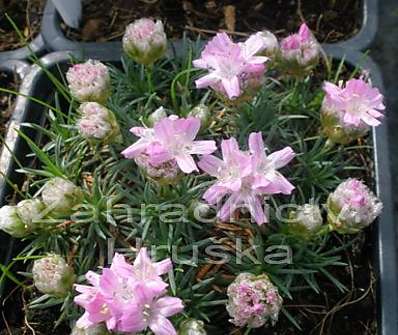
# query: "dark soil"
x,y
331,21
6,100
26,14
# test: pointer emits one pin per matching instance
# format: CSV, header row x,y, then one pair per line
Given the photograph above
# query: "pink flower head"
x,y
145,41
253,301
231,65
356,103
246,176
301,47
171,139
352,206
89,81
127,296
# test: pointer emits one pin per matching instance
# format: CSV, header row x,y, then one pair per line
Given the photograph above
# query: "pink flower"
x,y
128,297
355,104
232,66
150,311
246,177
301,47
171,139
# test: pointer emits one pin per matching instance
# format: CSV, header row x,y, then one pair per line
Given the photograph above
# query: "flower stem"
x,y
149,72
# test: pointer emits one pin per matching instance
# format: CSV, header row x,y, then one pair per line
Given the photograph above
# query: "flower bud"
x,y
253,301
61,195
352,207
89,81
145,41
94,330
165,173
299,53
156,116
98,123
53,276
192,327
11,223
270,43
19,221
202,112
305,219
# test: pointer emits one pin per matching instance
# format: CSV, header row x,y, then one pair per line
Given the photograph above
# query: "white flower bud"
x,y
11,223
308,217
98,123
201,112
61,195
352,207
89,81
145,41
192,327
53,276
270,43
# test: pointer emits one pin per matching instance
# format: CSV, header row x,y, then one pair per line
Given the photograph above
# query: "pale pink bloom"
x,y
352,206
266,177
356,103
116,297
253,301
145,41
150,311
247,177
171,139
89,81
231,65
301,47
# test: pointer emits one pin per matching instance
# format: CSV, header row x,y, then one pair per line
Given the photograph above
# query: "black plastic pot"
x,y
55,39
37,47
36,84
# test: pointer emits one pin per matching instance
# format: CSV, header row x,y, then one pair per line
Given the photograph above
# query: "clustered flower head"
x,y
20,220
299,52
253,301
247,177
233,67
145,41
349,109
352,207
89,81
129,298
61,196
172,139
306,219
97,123
53,276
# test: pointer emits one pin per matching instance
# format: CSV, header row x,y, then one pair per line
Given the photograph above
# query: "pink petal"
x,y
278,184
231,86
203,147
229,148
135,149
352,119
282,157
93,278
138,131
256,210
163,267
120,266
256,144
161,326
189,127
168,306
229,207
215,193
84,322
211,165
207,80
186,163
371,121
